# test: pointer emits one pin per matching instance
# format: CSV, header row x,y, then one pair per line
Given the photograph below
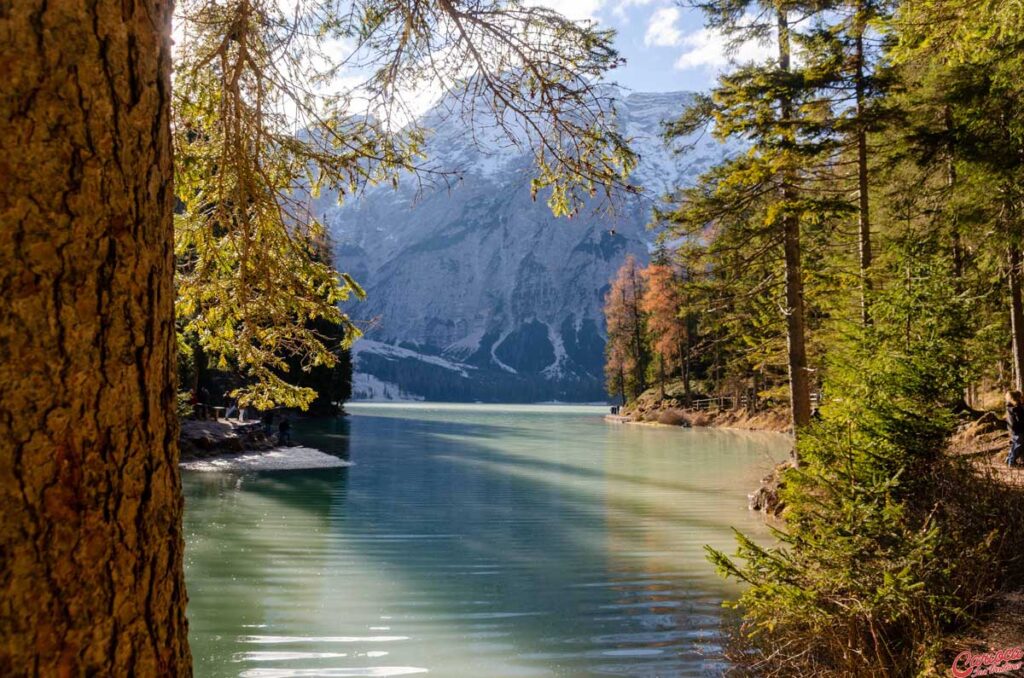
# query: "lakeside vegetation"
x,y
866,246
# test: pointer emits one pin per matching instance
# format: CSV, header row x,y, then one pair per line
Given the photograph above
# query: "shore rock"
x,y
199,439
766,498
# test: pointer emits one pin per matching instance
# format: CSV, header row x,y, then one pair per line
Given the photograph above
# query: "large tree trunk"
x,y
91,579
862,178
799,384
1016,317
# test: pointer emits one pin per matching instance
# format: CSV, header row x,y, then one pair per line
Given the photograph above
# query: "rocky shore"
x,y
206,438
230,446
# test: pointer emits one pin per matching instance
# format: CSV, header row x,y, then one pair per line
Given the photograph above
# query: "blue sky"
x,y
666,46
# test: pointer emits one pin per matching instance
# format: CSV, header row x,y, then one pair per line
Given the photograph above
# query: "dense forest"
x,y
864,249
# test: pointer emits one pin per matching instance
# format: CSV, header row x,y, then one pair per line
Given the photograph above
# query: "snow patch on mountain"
x,y
366,387
391,352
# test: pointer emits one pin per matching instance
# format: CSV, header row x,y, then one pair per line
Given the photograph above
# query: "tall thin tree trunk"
x,y
661,375
687,390
862,175
957,245
91,579
638,340
1016,316
799,383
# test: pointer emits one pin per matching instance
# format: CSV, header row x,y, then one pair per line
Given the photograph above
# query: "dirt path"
x,y
986,443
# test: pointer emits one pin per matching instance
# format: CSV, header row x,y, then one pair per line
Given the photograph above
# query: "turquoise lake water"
x,y
473,540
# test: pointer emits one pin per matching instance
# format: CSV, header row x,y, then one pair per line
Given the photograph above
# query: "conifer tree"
x,y
91,544
843,60
968,114
772,107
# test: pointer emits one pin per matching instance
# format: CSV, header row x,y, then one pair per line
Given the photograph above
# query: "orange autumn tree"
x,y
663,305
626,351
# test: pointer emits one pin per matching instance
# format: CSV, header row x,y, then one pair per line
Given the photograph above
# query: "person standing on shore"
x,y
1015,420
284,430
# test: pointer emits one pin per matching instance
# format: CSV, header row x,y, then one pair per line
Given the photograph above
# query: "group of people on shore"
x,y
284,428
202,409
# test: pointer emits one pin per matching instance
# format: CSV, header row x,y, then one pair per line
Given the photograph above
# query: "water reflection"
x,y
472,541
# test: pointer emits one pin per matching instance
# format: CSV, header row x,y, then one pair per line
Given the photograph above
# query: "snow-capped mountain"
x,y
478,292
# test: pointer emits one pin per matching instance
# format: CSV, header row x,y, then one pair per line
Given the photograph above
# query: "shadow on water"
x,y
558,544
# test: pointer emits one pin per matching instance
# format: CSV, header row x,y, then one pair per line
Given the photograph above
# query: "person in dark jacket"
x,y
284,430
1015,420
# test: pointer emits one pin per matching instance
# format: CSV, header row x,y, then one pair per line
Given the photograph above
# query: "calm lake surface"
x,y
473,540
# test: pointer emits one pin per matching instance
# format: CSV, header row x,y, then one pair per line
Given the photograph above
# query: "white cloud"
x,y
619,10
706,48
662,30
572,9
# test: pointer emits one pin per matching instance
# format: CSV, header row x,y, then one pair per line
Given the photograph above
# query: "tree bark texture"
x,y
91,579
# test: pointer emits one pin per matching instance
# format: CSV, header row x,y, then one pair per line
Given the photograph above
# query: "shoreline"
x,y
223,445
773,420
764,499
297,458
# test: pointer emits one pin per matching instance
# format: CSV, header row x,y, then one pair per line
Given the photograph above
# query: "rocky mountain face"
x,y
476,292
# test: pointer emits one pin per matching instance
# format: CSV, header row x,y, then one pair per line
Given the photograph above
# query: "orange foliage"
x,y
626,363
662,303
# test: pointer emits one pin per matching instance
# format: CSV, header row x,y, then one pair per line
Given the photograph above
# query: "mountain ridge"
x,y
476,292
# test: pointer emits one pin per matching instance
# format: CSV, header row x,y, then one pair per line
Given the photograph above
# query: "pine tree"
x,y
843,62
774,108
967,115
91,577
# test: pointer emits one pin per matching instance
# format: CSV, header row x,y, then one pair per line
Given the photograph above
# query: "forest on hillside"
x,y
864,250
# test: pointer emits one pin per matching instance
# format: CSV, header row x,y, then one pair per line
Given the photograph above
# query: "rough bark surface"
x,y
91,579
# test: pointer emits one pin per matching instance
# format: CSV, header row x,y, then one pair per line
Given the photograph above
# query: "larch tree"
x,y
91,579
663,304
91,542
626,348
